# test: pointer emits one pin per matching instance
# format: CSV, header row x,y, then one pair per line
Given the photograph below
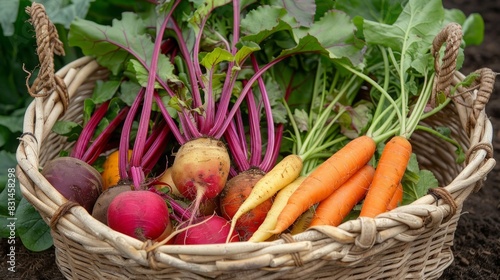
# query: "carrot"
x,y
279,203
388,174
303,222
396,199
111,173
282,174
326,178
332,210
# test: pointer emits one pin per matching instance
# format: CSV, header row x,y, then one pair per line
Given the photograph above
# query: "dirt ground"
x,y
477,239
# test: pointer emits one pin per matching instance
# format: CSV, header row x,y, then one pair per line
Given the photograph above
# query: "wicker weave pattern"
x,y
410,242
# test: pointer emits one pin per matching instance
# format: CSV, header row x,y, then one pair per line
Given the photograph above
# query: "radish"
x,y
235,193
140,214
206,230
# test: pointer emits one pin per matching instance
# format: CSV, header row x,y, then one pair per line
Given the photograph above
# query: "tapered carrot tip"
x,y
285,219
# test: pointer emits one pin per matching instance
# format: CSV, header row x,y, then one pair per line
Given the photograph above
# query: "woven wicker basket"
x,y
411,242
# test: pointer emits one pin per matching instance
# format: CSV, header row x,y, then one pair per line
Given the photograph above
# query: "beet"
x,y
206,230
100,210
75,180
140,214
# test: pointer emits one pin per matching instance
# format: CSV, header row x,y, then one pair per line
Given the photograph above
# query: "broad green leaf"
x,y
293,75
32,229
213,58
446,131
473,29
106,42
275,95
419,21
413,31
64,12
5,135
302,11
413,164
88,109
114,45
165,99
382,11
339,44
8,16
137,72
414,191
104,90
306,44
114,108
244,50
301,118
359,117
129,91
416,182
69,129
262,22
203,10
13,123
217,84
454,15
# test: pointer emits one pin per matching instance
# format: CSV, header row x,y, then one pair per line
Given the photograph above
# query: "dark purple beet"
x,y
75,180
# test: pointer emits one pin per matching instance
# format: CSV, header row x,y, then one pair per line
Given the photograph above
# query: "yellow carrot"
x,y
284,173
279,203
303,222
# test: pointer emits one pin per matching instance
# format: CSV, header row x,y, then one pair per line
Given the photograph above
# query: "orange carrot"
x,y
388,174
332,210
396,199
326,178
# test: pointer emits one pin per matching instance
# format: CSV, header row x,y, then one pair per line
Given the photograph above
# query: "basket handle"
x,y
446,66
48,44
485,82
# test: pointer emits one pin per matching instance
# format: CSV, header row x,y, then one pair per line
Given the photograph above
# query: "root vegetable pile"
x,y
240,128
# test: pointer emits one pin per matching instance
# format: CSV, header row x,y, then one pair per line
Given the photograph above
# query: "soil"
x,y
476,243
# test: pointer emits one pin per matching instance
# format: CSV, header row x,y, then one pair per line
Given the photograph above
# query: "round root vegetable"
x,y
100,211
111,170
206,230
209,207
75,180
200,169
140,214
235,193
165,181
